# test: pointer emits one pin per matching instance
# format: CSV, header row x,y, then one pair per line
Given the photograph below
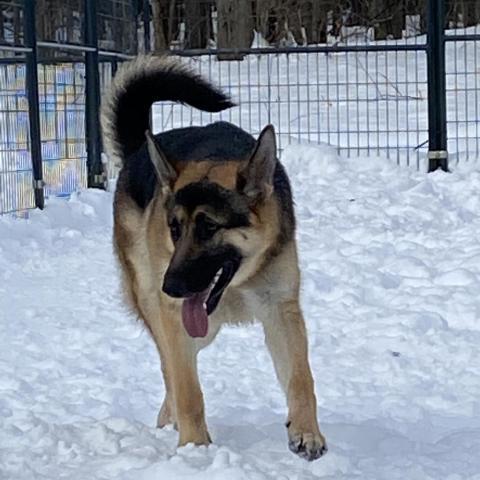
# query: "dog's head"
x,y
212,210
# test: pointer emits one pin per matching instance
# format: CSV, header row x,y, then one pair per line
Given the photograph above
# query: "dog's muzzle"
x,y
201,290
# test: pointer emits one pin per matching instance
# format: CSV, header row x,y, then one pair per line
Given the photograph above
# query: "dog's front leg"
x,y
286,339
179,365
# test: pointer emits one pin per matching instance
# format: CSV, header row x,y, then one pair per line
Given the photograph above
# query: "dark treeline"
x,y
63,21
232,23
300,21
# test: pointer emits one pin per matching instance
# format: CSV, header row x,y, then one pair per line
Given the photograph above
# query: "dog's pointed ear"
x,y
258,173
166,174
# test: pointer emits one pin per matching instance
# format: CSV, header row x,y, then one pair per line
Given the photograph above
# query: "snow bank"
x,y
391,275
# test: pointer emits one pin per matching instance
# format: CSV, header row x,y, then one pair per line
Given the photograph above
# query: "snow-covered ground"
x,y
391,281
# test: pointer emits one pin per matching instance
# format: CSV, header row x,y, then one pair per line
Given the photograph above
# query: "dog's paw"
x,y
309,446
165,416
201,437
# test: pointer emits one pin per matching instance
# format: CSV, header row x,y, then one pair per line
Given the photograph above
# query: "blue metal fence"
x,y
47,74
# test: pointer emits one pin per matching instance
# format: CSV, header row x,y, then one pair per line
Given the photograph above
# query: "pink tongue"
x,y
194,315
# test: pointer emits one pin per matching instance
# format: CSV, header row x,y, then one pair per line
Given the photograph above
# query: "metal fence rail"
x,y
397,97
360,99
413,96
16,179
62,122
463,95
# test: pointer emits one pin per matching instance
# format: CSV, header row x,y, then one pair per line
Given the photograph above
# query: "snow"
x,y
390,260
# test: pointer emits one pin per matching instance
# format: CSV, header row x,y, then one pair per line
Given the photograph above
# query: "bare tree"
x,y
55,20
166,16
197,23
275,18
464,13
263,17
417,7
235,26
387,17
2,25
317,16
160,17
304,20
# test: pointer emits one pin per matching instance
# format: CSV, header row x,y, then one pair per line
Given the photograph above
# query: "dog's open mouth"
x,y
197,308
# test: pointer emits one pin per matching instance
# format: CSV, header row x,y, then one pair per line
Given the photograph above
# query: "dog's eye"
x,y
175,230
205,227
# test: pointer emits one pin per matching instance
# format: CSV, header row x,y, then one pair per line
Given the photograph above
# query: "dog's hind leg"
x,y
184,398
286,338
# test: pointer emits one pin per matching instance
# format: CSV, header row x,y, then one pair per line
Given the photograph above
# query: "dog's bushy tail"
x,y
136,86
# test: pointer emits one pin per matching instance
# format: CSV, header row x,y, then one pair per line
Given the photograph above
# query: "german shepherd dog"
x,y
204,233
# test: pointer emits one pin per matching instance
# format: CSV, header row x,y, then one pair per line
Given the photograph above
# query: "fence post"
x,y
437,101
92,101
31,80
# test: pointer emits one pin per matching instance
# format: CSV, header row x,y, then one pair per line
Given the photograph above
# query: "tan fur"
x,y
257,242
144,249
225,174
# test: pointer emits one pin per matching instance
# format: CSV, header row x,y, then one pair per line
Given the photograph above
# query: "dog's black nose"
x,y
175,287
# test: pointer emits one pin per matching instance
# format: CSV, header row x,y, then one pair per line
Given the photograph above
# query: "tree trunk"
x,y
296,11
69,27
2,28
356,14
235,27
195,24
387,18
263,17
470,13
418,7
315,20
311,22
397,22
17,26
159,16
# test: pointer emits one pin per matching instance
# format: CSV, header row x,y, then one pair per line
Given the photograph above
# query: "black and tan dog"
x,y
204,231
